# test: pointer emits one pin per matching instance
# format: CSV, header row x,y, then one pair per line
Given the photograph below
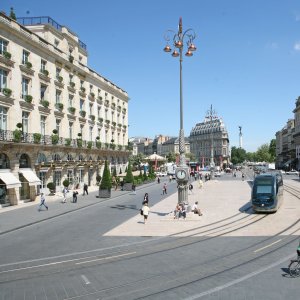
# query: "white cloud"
x,y
297,46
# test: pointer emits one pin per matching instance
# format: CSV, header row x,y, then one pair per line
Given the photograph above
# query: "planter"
x,y
127,186
104,193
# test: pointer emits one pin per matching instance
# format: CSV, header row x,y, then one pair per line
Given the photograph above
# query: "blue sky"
x,y
247,63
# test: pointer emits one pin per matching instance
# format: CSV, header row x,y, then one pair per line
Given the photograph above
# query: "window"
x,y
25,121
3,118
70,176
80,58
91,133
106,136
3,46
56,43
118,118
57,72
58,126
106,115
58,96
99,132
99,111
81,130
91,88
70,102
43,91
3,79
80,175
25,86
71,78
70,130
81,104
81,83
91,109
112,116
118,139
99,92
43,125
25,57
43,65
57,178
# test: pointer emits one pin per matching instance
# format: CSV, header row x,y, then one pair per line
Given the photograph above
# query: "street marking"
x,y
260,249
84,278
104,258
231,283
49,264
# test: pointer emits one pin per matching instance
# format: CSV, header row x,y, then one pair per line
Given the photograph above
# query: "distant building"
x,y
285,147
172,146
211,131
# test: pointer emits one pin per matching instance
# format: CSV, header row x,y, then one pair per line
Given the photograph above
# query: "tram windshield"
x,y
263,186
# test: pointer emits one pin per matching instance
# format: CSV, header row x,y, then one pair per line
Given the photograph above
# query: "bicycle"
x,y
294,267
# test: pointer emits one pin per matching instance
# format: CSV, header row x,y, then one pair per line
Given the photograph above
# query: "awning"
x,y
10,180
30,176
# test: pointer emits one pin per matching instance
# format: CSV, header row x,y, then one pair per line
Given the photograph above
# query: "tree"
x,y
263,153
171,157
272,149
129,176
106,179
238,155
191,156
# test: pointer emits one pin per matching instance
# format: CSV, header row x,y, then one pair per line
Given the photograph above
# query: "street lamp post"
x,y
211,114
178,39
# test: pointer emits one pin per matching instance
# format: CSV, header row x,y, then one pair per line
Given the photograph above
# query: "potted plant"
x,y
7,54
6,92
71,58
45,103
105,185
89,145
60,79
45,72
51,187
82,89
128,179
28,64
72,84
66,183
54,137
82,113
67,142
72,110
17,135
37,138
28,98
59,106
92,95
79,140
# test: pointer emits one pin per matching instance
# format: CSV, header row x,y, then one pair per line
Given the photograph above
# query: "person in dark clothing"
x,y
146,198
85,189
75,197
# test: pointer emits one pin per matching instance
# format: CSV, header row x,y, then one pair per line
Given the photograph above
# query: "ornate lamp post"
x,y
178,39
211,115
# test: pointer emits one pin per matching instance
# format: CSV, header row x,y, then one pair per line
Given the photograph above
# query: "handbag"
x,y
141,212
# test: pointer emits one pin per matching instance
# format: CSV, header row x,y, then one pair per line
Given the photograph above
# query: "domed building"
x,y
210,136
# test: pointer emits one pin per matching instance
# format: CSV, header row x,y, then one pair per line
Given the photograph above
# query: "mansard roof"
x,y
208,126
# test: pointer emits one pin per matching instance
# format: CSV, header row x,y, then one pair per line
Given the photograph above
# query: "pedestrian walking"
x,y
75,193
146,199
85,189
122,185
191,188
164,189
145,210
65,191
133,189
42,203
158,180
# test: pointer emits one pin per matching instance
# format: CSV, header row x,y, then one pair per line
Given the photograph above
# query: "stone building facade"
x,y
203,135
59,119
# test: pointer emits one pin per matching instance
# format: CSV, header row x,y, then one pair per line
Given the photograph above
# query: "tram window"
x,y
264,189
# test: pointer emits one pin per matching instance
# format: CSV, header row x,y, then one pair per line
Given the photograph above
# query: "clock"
x,y
181,174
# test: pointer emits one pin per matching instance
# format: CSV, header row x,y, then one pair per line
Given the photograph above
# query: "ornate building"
x,y
207,137
59,119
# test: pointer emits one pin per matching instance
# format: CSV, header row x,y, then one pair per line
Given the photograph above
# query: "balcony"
x,y
5,58
26,68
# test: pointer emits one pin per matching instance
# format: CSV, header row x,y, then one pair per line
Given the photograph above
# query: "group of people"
x,y
64,192
182,208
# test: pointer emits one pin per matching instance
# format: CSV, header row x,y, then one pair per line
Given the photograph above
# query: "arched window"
x,y
24,161
41,158
80,157
4,161
56,157
90,158
69,157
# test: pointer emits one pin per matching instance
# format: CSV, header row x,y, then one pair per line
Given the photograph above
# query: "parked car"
x,y
217,174
292,172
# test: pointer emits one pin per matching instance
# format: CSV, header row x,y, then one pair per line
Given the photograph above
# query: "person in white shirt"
x,y
195,209
145,210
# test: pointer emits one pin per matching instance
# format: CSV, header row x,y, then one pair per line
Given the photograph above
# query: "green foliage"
x,y
17,134
54,139
191,156
51,186
89,145
145,177
106,178
129,176
37,138
171,157
114,172
66,183
238,155
98,144
263,153
272,149
7,92
79,143
67,142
